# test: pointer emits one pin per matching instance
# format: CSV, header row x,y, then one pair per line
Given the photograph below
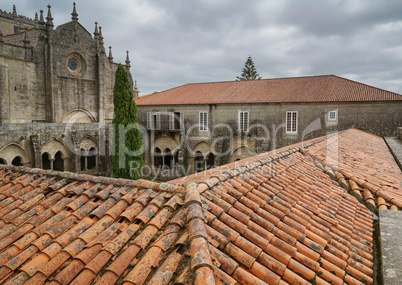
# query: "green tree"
x,y
127,158
249,72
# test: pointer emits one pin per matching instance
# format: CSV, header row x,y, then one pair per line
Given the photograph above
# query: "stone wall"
x,y
17,96
267,127
31,141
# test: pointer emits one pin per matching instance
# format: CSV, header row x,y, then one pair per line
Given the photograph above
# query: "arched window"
x,y
199,163
210,161
158,158
17,161
168,159
82,159
58,163
91,159
2,161
45,161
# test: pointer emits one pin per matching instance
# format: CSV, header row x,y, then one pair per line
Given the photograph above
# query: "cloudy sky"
x,y
175,42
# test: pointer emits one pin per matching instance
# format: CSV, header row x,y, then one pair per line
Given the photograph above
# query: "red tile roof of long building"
x,y
284,218
326,88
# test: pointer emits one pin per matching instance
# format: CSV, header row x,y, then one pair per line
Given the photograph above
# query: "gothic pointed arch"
x,y
203,147
91,158
168,159
199,162
157,155
46,163
14,152
241,152
17,161
58,163
78,115
88,153
210,161
57,147
166,142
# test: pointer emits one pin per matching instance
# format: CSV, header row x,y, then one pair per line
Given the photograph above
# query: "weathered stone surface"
x,y
56,93
391,246
380,118
395,146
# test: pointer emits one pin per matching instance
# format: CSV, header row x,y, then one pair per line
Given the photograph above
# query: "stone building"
x,y
199,126
56,95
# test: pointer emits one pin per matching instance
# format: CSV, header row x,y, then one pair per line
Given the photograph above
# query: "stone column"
x,y
51,163
37,152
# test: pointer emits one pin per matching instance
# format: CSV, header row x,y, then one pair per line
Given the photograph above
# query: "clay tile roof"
x,y
326,88
295,225
77,229
358,161
285,218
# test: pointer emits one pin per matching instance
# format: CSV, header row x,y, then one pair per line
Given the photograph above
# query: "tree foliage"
x,y
249,71
127,158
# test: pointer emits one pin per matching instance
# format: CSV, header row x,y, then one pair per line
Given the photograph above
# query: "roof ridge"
x,y
201,260
214,180
298,146
164,186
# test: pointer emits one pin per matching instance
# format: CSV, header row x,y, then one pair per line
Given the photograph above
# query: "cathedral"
x,y
56,95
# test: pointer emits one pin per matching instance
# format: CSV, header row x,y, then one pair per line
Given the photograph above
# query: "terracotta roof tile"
x,y
279,220
73,239
327,88
357,157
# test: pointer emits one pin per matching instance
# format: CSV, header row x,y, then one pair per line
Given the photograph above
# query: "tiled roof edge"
x,y
166,187
364,84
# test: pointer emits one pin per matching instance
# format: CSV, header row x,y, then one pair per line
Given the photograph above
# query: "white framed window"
x,y
153,120
203,121
243,121
291,122
332,115
176,121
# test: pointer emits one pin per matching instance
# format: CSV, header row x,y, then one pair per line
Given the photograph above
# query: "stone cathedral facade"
x,y
56,93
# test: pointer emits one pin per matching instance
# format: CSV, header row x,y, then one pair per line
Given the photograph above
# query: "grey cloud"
x,y
177,42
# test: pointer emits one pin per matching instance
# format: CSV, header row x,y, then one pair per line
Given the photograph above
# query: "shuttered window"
x,y
203,121
291,122
153,121
176,121
243,121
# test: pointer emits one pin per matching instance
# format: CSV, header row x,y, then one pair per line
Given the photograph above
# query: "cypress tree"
x,y
249,71
127,158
